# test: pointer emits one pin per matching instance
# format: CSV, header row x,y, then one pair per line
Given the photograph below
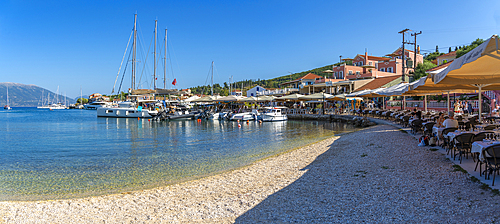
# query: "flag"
x,y
174,82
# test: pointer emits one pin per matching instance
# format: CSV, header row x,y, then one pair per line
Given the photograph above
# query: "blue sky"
x,y
73,44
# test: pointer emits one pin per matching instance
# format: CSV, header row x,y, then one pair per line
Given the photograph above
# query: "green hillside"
x,y
223,89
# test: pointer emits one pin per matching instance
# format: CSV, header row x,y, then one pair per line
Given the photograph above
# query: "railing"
x,y
431,105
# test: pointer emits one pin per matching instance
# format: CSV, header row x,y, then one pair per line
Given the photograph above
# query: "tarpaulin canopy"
x,y
478,68
316,96
291,97
229,99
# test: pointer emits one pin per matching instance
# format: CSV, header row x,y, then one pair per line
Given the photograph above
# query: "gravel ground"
x,y
376,175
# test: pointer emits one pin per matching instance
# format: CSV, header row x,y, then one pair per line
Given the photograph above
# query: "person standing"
x,y
469,108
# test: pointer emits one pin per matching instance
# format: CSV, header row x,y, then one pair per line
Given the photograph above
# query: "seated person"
x,y
450,122
440,120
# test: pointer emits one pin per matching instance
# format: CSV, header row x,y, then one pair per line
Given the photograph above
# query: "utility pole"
x,y
415,43
403,54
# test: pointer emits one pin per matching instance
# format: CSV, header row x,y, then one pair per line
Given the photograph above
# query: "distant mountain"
x,y
21,95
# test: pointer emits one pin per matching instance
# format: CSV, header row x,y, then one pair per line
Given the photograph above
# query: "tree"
x,y
432,56
449,50
437,49
421,68
466,49
84,100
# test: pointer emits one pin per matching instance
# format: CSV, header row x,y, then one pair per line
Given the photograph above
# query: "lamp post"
x,y
323,93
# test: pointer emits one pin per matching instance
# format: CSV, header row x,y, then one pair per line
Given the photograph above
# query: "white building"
x,y
256,89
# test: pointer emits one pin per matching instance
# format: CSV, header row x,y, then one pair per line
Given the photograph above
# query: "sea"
x,y
59,154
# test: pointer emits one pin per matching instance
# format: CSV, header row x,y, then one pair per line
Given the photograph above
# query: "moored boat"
x,y
96,104
274,114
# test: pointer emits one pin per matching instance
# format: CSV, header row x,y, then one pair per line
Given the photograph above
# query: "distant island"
x,y
22,95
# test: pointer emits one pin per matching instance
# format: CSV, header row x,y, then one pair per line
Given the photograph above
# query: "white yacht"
x,y
127,110
274,114
96,104
57,106
246,116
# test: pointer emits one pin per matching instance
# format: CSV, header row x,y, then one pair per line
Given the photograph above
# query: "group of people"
x,y
463,107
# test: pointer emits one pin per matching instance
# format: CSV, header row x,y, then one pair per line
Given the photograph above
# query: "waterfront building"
x,y
255,90
236,93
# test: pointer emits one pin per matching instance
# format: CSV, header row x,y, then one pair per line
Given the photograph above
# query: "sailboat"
x,y
138,107
7,107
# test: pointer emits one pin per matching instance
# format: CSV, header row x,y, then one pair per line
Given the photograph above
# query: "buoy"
x,y
149,119
238,121
138,118
239,125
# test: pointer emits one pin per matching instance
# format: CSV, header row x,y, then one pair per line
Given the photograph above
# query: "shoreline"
x,y
348,177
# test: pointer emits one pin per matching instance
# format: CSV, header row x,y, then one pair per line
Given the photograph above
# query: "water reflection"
x,y
77,154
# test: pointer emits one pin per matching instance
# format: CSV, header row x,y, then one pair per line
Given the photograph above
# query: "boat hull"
x,y
271,118
122,113
243,117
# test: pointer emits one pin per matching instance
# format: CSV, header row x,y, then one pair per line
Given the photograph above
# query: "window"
x,y
257,89
370,63
389,69
357,73
350,72
382,69
251,94
341,75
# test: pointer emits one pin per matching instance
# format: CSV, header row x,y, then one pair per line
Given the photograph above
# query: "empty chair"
x,y
490,127
492,158
481,135
416,126
446,142
428,128
463,144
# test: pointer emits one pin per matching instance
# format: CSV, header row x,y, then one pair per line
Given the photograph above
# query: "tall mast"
x,y
212,91
134,45
165,63
154,72
7,95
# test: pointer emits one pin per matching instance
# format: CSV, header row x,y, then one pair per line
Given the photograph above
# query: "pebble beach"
x,y
375,175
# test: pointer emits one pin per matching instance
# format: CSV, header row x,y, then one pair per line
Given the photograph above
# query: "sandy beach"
x,y
376,175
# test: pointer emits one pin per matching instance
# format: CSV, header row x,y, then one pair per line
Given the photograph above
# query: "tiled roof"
x,y
378,82
440,66
453,53
308,76
375,58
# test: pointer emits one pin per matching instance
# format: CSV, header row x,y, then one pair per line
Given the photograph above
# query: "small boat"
x,y
274,114
246,116
96,104
57,106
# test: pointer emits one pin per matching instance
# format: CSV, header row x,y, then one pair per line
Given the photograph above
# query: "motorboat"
x,y
177,112
274,114
96,104
57,106
245,116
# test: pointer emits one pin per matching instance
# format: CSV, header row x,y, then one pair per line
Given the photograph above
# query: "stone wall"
x,y
350,119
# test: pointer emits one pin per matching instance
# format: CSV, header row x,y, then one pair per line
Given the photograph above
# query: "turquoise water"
x,y
71,153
